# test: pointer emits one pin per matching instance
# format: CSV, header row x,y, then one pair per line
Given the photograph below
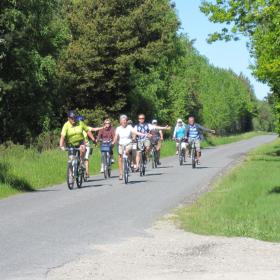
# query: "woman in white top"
x,y
124,135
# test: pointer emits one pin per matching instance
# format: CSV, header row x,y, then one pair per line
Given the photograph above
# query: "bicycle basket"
x,y
106,147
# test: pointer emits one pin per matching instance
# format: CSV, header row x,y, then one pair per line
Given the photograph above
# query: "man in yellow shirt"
x,y
72,134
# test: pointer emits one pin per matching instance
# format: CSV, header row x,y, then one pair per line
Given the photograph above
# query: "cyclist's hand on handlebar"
x,y
213,131
167,127
62,148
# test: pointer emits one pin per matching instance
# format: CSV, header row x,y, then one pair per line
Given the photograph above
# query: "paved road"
x,y
48,228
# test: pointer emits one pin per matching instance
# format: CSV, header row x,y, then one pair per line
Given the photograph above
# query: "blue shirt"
x,y
193,132
180,132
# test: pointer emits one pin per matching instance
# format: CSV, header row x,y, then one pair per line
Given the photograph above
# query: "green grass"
x,y
27,170
246,202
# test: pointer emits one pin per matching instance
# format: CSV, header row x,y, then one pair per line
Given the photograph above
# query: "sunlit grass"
x,y
244,203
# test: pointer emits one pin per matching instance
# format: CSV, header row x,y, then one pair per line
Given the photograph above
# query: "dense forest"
x,y
104,57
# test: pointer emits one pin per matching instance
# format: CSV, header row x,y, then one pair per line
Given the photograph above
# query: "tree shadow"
x,y
275,190
13,181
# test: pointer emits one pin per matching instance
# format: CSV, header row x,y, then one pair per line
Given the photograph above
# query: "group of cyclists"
x,y
75,133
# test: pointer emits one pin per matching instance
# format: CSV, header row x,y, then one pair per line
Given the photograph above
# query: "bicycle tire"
x,y
79,179
193,158
70,177
105,166
108,165
125,171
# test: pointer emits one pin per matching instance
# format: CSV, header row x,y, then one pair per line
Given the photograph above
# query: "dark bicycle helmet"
x,y
80,118
72,114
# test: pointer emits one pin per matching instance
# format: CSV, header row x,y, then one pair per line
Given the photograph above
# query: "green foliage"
x,y
259,20
32,34
103,58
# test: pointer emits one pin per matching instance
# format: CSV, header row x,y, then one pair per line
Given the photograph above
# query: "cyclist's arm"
x,y
161,135
205,128
93,129
90,135
116,137
162,127
138,133
99,135
62,142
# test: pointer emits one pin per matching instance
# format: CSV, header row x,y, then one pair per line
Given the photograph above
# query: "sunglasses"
x,y
107,123
141,118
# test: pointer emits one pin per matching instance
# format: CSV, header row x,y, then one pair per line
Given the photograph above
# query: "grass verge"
x,y
24,170
245,203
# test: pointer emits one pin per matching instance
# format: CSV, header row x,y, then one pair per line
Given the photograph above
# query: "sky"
x,y
233,55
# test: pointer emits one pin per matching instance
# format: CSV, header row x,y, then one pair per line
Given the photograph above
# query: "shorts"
x,y
196,142
128,148
183,145
87,152
146,143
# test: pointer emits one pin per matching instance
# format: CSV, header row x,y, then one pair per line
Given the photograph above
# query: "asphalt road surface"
x,y
51,227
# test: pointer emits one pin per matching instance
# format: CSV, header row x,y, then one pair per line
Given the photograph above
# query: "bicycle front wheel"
x,y
80,177
105,164
125,170
70,176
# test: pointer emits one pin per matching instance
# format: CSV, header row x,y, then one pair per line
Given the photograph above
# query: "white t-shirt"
x,y
125,134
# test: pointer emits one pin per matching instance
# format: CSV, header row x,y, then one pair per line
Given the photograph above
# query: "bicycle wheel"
x,y
70,176
105,164
125,170
108,165
193,153
80,176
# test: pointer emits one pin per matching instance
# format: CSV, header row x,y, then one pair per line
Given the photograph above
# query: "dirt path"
x,y
168,253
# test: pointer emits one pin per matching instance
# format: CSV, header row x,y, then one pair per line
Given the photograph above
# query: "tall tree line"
x,y
104,57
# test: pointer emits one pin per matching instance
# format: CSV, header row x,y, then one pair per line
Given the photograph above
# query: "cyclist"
x,y
145,128
180,133
107,134
73,134
124,134
194,133
87,143
157,138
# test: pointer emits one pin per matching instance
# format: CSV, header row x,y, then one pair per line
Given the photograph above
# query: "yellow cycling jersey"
x,y
74,134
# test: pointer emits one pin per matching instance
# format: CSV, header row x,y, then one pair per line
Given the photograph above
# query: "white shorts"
x,y
87,152
183,145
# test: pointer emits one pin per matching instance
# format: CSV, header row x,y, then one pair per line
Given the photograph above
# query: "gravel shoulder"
x,y
168,253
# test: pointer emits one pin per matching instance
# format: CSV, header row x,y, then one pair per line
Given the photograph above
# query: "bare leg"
x,y
87,167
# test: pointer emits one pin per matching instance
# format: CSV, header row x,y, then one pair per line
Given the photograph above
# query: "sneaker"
x,y
112,161
198,162
121,177
177,153
158,163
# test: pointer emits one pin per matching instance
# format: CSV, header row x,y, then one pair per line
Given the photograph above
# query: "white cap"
x,y
123,117
179,120
154,121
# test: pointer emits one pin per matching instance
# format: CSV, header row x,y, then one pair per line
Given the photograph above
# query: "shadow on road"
x,y
137,182
165,167
15,182
153,174
275,190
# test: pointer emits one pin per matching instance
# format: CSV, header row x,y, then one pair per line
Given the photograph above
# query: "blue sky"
x,y
234,55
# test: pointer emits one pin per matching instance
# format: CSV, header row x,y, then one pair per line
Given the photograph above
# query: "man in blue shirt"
x,y
194,133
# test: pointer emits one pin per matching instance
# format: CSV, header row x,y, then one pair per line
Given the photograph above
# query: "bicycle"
x,y
181,152
75,168
154,154
193,154
106,147
143,158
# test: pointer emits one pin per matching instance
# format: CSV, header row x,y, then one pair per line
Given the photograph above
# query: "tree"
x,y
112,41
31,36
258,20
